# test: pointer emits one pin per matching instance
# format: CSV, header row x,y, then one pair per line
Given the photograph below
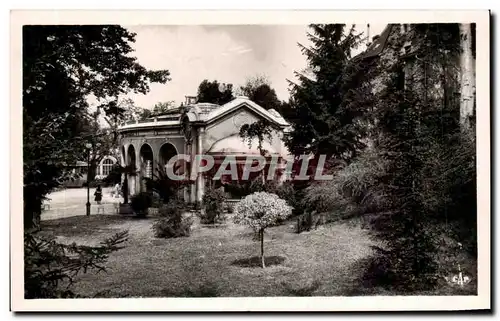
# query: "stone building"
x,y
437,78
194,129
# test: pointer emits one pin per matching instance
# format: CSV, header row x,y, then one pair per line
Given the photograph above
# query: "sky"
x,y
226,53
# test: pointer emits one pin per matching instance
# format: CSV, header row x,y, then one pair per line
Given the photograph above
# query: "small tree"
x,y
259,211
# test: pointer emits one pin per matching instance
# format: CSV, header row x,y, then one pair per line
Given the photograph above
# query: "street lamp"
x,y
88,146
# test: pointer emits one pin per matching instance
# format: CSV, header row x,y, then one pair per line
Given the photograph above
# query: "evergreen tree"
x,y
329,103
431,179
409,254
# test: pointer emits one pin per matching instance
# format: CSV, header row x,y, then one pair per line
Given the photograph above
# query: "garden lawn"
x,y
220,261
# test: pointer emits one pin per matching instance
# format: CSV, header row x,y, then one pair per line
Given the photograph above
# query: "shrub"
x,y
213,205
94,183
171,222
259,211
50,268
355,189
156,200
140,203
238,189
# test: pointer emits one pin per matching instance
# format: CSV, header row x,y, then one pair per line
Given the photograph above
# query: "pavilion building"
x,y
199,129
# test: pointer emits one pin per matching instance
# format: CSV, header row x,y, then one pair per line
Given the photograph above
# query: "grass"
x,y
221,262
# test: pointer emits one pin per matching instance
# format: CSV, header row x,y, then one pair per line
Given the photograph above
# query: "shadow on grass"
x,y
82,225
374,279
302,291
255,261
204,291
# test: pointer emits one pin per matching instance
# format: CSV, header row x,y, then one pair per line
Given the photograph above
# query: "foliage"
x,y
354,189
161,108
140,203
406,117
50,267
210,92
96,182
213,206
259,211
258,89
259,130
238,189
171,222
330,102
62,66
167,188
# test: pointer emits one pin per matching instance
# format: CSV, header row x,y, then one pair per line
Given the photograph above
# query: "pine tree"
x,y
326,102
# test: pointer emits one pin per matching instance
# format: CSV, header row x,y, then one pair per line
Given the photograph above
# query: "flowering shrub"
x,y
259,211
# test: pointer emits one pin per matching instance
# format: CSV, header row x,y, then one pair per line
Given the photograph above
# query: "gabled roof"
x,y
214,114
206,113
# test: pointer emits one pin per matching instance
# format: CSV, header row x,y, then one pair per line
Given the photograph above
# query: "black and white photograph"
x,y
300,159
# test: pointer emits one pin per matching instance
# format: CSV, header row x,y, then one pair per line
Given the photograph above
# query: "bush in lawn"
x,y
355,189
50,268
140,203
213,205
171,222
259,211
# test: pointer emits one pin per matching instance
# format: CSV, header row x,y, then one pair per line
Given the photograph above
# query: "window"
x,y
107,165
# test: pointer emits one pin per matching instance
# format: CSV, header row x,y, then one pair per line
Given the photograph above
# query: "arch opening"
x,y
167,151
131,155
146,154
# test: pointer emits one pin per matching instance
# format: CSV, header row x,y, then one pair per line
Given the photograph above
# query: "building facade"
x,y
197,129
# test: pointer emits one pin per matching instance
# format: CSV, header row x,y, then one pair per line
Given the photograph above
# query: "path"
x,y
71,202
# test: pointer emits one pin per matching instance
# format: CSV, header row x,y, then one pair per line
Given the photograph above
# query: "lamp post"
x,y
88,146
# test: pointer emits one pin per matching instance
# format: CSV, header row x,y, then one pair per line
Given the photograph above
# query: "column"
x,y
200,182
192,187
138,163
187,189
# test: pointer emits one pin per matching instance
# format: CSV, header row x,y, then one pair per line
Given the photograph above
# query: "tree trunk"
x,y
467,77
261,232
125,189
32,214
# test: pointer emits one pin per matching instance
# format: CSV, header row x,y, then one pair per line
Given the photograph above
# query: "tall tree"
x,y
62,66
430,181
214,92
409,250
326,101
